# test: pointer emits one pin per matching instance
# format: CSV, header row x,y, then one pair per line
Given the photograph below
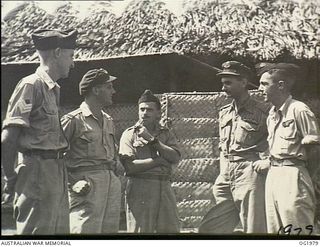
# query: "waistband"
x,y
241,157
151,176
105,166
46,154
286,162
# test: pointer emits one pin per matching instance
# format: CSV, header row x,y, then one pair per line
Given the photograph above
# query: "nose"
x,y
260,88
72,65
223,87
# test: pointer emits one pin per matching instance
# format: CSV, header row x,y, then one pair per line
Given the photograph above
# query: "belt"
x,y
105,166
151,176
286,162
241,157
46,154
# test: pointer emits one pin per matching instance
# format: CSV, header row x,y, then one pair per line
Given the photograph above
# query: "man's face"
x,y
268,87
105,93
233,86
65,62
149,113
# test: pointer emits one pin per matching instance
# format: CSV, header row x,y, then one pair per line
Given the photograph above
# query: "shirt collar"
x,y
244,104
159,126
46,78
283,108
87,112
85,109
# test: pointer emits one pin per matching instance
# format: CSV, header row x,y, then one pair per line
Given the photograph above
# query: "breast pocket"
x,y
50,118
87,143
246,133
288,129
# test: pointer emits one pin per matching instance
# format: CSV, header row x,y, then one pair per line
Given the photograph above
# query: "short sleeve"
x,y
20,106
307,123
172,142
126,144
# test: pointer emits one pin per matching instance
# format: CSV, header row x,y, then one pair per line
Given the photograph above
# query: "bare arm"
x,y
133,166
9,140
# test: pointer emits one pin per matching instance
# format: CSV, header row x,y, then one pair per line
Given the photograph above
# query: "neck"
x,y
242,98
94,107
50,69
152,127
278,101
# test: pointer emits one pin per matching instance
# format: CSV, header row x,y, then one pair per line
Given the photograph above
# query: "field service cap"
x,y
48,39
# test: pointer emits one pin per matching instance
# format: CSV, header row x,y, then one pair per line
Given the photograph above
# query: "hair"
x,y
285,75
44,55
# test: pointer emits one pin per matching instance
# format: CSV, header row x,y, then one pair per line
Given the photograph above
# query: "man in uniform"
x,y
94,188
148,152
239,189
32,128
290,198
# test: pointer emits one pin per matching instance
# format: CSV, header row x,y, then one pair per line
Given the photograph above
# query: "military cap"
x,y
289,67
94,77
148,96
234,68
48,39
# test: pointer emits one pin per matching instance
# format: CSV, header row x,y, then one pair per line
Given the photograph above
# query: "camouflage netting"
x,y
257,30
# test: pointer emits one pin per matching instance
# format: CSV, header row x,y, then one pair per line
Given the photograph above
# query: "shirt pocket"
x,y
288,129
50,118
87,144
246,133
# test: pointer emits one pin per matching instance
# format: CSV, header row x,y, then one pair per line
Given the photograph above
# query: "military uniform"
x,y
290,195
150,200
239,190
92,157
41,200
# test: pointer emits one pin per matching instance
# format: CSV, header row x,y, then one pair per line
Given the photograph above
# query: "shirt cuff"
x,y
15,121
311,139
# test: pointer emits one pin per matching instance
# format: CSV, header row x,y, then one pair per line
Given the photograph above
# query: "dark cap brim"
x,y
227,73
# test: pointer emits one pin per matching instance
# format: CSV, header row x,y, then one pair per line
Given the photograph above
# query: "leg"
x,y
273,218
111,219
249,195
168,219
297,200
40,204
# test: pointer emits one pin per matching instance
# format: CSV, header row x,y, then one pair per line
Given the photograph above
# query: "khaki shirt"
x,y
243,131
90,143
288,126
130,147
34,106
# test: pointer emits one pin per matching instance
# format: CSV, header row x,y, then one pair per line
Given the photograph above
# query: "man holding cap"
x,y
294,139
148,151
32,128
94,188
239,189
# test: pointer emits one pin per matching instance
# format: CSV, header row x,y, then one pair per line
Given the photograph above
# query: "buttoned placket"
x,y
276,118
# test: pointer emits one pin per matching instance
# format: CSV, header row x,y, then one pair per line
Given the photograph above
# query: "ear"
x,y
281,84
57,52
95,90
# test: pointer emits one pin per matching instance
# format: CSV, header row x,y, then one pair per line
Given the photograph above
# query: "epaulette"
x,y
225,107
72,114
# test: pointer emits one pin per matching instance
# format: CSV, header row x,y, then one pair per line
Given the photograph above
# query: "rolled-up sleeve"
x,y
20,106
126,148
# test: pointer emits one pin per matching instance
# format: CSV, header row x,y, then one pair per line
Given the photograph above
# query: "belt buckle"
x,y
60,154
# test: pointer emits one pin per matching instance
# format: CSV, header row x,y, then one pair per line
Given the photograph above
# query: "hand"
x,y
82,187
261,166
8,189
143,132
